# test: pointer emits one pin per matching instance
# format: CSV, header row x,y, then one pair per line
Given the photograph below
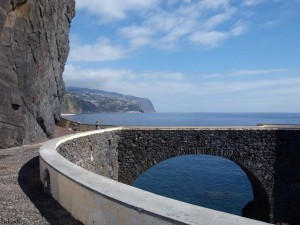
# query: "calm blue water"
x,y
203,180
207,181
187,119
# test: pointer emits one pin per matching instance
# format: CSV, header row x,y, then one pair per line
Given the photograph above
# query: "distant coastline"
x,y
83,100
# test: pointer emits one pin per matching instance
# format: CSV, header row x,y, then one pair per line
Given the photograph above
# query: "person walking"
x,y
97,125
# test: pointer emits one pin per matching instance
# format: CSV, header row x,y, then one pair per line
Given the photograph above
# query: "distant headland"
x,y
84,100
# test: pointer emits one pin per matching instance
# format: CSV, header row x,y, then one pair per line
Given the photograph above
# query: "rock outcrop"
x,y
84,100
34,46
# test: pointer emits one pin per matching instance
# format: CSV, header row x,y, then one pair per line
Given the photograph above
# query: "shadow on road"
x,y
28,179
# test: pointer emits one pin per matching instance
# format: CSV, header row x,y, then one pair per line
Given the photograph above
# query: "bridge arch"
x,y
269,157
139,150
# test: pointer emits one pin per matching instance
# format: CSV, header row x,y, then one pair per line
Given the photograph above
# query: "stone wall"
x,y
94,199
252,150
97,153
34,46
269,157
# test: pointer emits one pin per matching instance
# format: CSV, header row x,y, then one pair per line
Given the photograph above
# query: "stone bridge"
x,y
270,157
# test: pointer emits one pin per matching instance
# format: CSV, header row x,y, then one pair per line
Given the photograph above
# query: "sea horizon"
x,y
186,119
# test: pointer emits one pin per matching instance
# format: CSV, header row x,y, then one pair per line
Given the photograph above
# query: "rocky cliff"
x,y
84,100
34,46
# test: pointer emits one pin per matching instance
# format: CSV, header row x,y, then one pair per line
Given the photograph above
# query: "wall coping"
x,y
158,206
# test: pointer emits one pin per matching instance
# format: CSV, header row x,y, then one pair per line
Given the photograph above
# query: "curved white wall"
x,y
94,199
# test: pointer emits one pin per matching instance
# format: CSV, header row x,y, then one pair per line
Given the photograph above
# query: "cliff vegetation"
x,y
83,100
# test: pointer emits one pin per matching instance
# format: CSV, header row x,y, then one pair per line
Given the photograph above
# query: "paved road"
x,y
22,200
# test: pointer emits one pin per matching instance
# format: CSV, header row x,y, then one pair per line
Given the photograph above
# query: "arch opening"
x,y
156,146
204,180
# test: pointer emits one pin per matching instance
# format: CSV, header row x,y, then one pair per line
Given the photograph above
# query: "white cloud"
x,y
210,38
163,25
175,91
137,36
176,24
218,19
270,24
208,4
167,24
246,86
254,72
163,75
101,50
108,10
238,29
191,21
95,78
245,73
109,78
252,2
213,38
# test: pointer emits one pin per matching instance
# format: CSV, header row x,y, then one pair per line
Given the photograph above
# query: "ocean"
x,y
203,180
187,119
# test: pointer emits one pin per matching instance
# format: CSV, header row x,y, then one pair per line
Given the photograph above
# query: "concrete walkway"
x,y
22,199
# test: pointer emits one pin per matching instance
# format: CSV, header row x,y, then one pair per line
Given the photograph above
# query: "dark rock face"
x,y
34,46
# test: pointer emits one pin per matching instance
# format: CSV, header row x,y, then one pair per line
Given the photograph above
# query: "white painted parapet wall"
x,y
94,199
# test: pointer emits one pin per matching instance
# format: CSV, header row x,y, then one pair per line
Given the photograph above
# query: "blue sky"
x,y
190,55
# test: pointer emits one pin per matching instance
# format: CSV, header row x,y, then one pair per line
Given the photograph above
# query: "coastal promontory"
x,y
34,45
84,100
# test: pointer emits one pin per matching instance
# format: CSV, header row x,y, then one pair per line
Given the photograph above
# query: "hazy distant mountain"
x,y
84,100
